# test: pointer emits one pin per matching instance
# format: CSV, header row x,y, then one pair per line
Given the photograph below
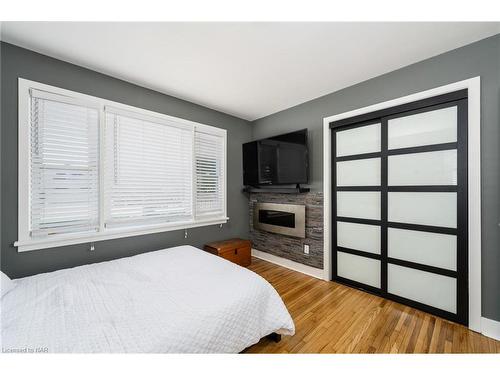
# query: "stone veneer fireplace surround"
x,y
291,248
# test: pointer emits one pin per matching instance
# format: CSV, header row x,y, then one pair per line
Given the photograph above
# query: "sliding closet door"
x,y
400,204
358,205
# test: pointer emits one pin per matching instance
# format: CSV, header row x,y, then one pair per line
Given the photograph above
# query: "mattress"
x,y
176,300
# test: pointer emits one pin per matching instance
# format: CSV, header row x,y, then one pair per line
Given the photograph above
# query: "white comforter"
x,y
169,301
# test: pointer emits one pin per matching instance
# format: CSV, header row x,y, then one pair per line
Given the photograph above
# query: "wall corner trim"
x,y
290,264
490,328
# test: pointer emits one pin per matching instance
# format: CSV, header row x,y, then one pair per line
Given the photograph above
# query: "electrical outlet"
x,y
306,249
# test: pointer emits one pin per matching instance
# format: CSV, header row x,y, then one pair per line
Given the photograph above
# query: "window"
x,y
209,174
64,167
91,169
148,171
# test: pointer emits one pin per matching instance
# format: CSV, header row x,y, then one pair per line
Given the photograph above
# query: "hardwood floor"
x,y
333,318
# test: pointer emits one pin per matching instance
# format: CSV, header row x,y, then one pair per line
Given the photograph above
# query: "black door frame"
x,y
458,99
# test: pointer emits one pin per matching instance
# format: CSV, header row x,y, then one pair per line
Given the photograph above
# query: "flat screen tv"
x,y
279,160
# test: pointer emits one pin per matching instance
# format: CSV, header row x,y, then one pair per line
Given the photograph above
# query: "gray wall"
x,y
17,62
478,59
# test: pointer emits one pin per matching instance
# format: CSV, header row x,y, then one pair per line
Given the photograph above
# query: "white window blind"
x,y
64,166
148,173
91,169
209,174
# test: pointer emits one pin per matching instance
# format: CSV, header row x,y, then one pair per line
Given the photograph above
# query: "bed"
x,y
176,300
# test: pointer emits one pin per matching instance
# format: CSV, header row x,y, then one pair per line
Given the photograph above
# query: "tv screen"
x,y
278,160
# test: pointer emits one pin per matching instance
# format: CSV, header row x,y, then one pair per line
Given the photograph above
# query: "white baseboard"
x,y
299,267
490,328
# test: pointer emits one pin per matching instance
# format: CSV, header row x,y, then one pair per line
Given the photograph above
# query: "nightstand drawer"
x,y
241,256
236,250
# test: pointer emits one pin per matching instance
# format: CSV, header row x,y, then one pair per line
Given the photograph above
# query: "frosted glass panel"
x,y
424,168
358,140
360,269
427,128
438,209
359,204
364,172
424,287
359,236
433,249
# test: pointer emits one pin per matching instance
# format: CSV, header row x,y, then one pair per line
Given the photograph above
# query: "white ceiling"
x,y
249,70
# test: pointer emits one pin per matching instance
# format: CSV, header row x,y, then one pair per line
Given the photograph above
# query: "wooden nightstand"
x,y
235,250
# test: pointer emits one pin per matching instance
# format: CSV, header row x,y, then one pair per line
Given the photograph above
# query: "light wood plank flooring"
x,y
333,318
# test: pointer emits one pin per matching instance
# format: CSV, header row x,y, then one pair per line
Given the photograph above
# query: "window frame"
x,y
26,243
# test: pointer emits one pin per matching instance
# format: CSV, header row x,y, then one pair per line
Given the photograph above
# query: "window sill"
x,y
110,234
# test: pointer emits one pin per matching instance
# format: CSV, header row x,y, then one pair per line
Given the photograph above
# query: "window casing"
x,y
91,169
